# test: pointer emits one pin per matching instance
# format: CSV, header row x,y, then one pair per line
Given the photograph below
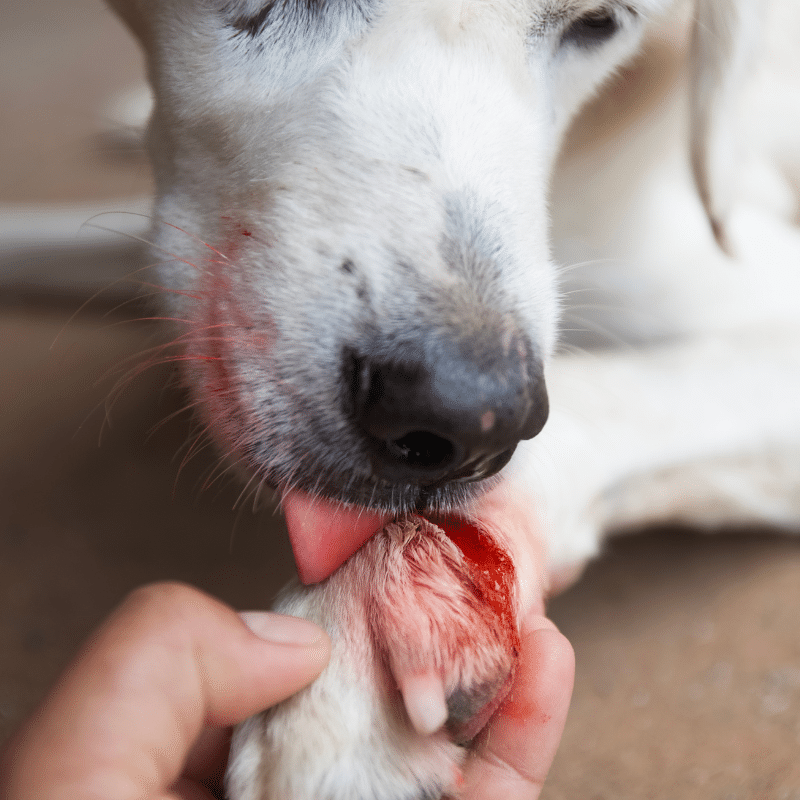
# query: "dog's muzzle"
x,y
433,416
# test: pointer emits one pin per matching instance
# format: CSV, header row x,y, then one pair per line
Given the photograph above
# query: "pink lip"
x,y
324,534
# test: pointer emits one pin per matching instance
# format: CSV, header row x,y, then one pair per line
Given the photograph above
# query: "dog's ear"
x,y
131,13
724,41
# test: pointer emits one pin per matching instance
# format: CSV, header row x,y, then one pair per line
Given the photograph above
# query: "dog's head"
x,y
352,200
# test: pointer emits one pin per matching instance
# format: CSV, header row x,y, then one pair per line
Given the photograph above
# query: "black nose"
x,y
429,419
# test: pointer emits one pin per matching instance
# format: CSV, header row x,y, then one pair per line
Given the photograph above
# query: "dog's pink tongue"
x,y
325,534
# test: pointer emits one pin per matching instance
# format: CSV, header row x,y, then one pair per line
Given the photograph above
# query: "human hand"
x,y
145,710
513,754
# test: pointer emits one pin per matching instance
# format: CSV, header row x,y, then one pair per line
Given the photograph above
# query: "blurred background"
x,y
687,646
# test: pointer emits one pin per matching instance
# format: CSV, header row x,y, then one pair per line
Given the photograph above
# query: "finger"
x,y
123,718
185,789
514,754
208,758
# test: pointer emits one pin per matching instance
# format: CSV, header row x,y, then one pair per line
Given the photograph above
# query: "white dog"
x,y
354,212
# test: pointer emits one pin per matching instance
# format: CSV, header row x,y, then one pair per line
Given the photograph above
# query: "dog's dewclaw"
x,y
425,702
423,621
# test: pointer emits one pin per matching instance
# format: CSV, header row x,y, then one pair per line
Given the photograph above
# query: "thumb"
x,y
292,652
123,718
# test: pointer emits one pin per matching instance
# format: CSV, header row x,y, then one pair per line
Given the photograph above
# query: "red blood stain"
x,y
458,778
233,229
493,580
218,379
491,569
521,704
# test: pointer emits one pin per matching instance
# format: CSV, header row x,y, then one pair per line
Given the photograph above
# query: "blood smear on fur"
x,y
492,568
443,613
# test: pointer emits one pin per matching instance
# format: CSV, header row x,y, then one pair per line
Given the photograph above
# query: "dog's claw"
x,y
423,696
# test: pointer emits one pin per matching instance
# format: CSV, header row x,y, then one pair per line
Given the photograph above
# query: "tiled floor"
x,y
688,647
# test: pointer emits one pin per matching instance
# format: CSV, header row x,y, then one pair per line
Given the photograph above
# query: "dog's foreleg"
x,y
702,432
424,646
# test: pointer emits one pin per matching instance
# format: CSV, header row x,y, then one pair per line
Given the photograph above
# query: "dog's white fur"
x,y
337,142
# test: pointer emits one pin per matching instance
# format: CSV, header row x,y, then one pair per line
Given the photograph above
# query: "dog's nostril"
x,y
421,449
481,468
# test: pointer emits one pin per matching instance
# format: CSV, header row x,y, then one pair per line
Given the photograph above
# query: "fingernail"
x,y
280,629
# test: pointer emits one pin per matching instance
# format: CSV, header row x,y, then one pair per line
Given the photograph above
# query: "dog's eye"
x,y
591,30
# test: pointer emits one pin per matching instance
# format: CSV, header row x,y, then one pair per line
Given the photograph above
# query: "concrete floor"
x,y
688,647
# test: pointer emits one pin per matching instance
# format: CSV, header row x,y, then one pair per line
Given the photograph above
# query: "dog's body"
x,y
354,200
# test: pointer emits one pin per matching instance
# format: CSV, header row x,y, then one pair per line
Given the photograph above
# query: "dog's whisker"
x,y
185,410
566,267
150,242
197,239
93,297
238,503
597,328
193,447
136,237
214,474
257,495
588,290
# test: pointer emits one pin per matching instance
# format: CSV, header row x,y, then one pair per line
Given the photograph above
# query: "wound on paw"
x,y
443,615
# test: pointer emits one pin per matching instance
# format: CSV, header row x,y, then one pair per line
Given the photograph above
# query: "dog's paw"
x,y
423,621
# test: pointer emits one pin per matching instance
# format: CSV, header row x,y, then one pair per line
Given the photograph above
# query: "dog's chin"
x,y
328,523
